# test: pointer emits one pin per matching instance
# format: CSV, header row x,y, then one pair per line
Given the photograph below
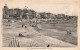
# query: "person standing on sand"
x,y
22,25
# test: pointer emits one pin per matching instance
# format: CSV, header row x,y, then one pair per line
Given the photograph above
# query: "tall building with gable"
x,y
5,11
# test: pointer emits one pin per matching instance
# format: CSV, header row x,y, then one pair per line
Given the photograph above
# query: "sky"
x,y
68,8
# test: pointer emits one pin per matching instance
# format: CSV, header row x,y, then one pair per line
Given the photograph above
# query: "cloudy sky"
x,y
57,7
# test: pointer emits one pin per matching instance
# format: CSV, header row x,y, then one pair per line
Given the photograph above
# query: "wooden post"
x,y
14,43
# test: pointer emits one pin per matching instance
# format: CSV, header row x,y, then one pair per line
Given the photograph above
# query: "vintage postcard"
x,y
39,24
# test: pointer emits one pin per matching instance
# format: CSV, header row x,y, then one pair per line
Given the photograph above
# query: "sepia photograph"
x,y
39,24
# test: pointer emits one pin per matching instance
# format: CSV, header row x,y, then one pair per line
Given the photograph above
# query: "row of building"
x,y
17,13
25,13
